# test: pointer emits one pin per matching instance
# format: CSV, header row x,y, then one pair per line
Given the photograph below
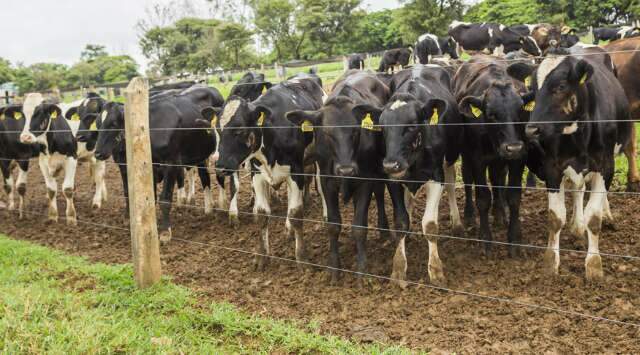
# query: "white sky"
x,y
57,31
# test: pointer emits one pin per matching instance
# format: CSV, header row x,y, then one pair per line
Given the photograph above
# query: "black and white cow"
x,y
250,86
47,129
258,132
183,85
395,59
492,105
346,146
356,61
579,122
173,144
614,33
12,152
430,45
492,38
569,37
422,132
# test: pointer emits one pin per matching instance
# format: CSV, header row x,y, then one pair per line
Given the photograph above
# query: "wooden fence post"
x,y
142,207
110,95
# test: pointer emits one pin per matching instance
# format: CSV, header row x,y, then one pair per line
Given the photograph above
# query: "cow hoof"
x,y
234,221
550,262
515,251
633,186
578,230
458,231
96,206
165,236
436,274
593,265
261,263
398,279
72,221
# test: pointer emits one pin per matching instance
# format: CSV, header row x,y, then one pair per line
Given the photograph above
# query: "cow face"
x,y
501,108
238,129
547,36
250,87
12,119
111,130
43,115
87,113
450,47
337,130
560,86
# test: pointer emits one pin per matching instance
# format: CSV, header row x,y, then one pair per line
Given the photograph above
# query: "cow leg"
x,y
234,220
68,189
531,180
593,216
22,185
330,194
125,186
430,230
383,222
205,180
409,202
166,198
577,223
514,196
8,183
191,189
483,203
450,186
101,188
497,174
361,200
469,208
222,195
401,221
295,215
182,193
262,210
633,178
557,219
52,187
321,191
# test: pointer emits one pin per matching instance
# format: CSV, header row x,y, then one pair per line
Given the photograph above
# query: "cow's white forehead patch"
x,y
104,115
396,105
230,110
546,67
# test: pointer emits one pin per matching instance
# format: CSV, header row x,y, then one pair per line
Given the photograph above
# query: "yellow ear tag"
x,y
264,89
530,106
367,123
583,80
261,119
54,115
476,111
307,126
94,126
2,117
75,117
527,81
434,118
17,115
214,121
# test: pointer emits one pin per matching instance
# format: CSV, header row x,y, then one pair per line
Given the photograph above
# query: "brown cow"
x,y
626,60
547,36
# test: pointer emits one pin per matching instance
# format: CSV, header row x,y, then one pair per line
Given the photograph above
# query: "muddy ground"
x,y
418,317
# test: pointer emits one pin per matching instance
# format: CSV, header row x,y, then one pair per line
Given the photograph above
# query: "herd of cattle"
x,y
563,114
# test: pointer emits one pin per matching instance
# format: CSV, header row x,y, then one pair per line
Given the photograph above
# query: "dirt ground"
x,y
418,317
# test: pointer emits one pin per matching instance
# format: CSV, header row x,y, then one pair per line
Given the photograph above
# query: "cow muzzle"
x,y
27,138
394,169
348,170
512,150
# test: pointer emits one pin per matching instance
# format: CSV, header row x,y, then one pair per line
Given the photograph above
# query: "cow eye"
x,y
562,87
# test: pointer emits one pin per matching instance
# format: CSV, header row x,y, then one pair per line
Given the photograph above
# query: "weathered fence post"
x,y
142,206
110,94
345,63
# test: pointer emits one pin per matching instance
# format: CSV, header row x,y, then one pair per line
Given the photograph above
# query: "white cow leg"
x,y
578,227
191,187
607,216
262,210
208,200
325,212
222,199
98,168
68,188
295,216
399,272
9,189
234,220
409,202
557,219
430,230
454,213
593,216
52,187
22,190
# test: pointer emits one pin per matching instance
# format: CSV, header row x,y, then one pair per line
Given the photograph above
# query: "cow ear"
x,y
582,72
304,119
261,115
54,111
432,111
13,111
72,111
520,71
362,112
210,112
472,106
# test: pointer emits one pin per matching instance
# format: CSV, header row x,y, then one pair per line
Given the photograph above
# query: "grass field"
x,y
53,303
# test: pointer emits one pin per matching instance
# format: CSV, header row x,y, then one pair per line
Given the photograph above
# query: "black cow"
x,y
250,86
12,122
173,86
614,33
395,59
172,143
569,37
356,61
346,146
422,132
47,130
259,132
492,105
494,38
429,46
579,122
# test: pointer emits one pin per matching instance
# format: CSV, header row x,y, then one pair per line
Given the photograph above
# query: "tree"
x,y
92,52
507,12
275,22
83,74
372,32
417,17
6,73
233,37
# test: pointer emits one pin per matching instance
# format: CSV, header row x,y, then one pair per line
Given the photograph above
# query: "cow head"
x,y
547,36
568,37
238,128
512,42
12,119
110,124
405,127
501,109
251,86
43,115
561,95
450,47
87,113
337,128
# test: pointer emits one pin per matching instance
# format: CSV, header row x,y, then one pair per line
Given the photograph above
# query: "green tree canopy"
x,y
6,72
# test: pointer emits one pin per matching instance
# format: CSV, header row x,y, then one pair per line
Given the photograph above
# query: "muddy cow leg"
x,y
8,183
234,212
100,195
182,193
483,203
469,208
557,219
262,211
330,195
430,229
593,216
52,187
205,180
631,152
401,221
514,196
166,197
450,186
383,222
68,189
22,185
191,179
498,175
125,186
295,216
361,201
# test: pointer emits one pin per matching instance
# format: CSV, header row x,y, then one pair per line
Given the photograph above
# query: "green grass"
x,y
53,303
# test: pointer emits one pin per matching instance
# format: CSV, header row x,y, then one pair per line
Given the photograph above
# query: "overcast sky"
x,y
56,31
